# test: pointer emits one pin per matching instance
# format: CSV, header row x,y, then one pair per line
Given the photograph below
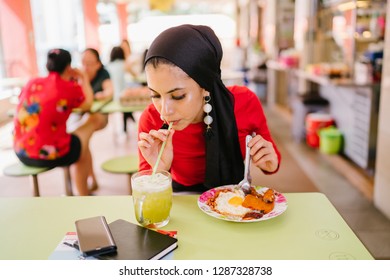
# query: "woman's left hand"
x,y
99,95
263,154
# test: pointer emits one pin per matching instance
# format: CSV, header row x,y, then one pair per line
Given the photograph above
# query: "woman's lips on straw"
x,y
173,122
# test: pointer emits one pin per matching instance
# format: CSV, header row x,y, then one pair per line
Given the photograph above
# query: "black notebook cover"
x,y
138,243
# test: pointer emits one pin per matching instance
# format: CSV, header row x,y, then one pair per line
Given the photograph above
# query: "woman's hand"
x,y
263,154
78,75
150,145
107,92
75,74
82,78
99,95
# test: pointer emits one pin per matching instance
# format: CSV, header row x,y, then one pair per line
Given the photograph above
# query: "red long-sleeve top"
x,y
189,147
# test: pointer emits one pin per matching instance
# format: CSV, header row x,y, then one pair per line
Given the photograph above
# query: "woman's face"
x,y
90,64
177,97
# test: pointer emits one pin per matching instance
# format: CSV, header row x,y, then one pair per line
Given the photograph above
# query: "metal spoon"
x,y
246,182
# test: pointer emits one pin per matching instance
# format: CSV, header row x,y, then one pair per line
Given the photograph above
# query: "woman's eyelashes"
x,y
178,97
174,97
153,96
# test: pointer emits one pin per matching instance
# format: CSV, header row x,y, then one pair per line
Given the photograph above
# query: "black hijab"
x,y
197,51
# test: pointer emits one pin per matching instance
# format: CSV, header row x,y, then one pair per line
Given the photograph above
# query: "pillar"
x,y
91,23
122,16
17,36
382,174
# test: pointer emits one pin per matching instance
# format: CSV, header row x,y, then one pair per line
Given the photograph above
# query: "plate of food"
x,y
230,203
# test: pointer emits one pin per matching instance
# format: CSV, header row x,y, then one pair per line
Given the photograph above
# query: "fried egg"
x,y
230,203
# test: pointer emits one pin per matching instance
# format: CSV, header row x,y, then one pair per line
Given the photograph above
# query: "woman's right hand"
x,y
150,145
82,78
79,75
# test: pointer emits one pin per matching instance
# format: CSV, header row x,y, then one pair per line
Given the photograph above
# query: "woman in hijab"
x,y
206,146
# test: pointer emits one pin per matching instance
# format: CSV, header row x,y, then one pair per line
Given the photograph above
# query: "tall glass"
x,y
152,197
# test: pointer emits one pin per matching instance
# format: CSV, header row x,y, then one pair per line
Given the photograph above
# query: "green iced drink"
x,y
152,197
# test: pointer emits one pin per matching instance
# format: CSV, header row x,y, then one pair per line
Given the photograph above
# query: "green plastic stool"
x,y
122,165
20,170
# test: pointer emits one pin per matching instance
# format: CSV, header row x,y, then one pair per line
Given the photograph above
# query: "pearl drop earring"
x,y
207,108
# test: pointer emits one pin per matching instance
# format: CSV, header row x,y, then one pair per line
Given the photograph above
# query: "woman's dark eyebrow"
x,y
170,91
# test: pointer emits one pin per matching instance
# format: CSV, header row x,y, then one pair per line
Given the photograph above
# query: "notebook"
x,y
138,243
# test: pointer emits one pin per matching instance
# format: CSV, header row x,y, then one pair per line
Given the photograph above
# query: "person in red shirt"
x,y
206,146
45,103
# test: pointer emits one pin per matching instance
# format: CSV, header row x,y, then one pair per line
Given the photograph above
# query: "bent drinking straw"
x,y
161,151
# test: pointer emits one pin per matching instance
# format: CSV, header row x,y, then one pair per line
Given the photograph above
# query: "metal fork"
x,y
246,182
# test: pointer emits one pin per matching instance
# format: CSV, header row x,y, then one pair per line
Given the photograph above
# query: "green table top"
x,y
97,106
311,228
116,106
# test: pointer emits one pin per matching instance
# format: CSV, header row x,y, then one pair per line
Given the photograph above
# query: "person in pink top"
x,y
45,103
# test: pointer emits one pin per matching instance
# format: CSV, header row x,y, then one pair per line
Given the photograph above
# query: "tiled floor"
x,y
367,222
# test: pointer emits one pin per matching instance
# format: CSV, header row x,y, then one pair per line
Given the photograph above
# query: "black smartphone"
x,y
94,236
